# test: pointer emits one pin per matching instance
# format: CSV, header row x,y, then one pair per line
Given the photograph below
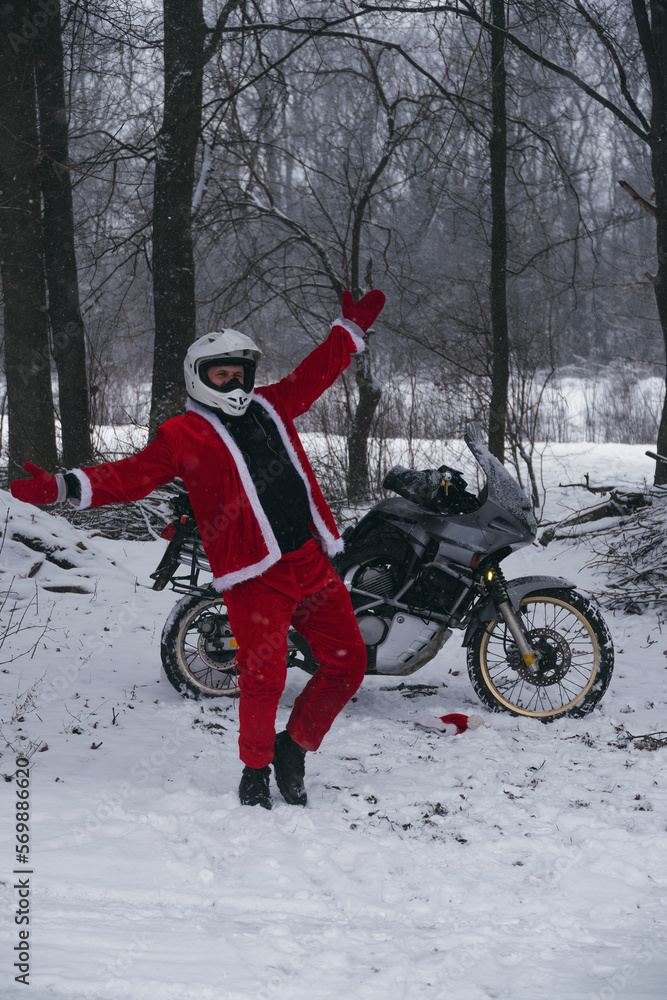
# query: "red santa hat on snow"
x,y
449,725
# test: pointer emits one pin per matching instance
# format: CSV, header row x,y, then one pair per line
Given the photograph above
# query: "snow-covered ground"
x,y
518,861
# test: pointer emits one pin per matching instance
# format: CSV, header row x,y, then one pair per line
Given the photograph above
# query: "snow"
x,y
517,861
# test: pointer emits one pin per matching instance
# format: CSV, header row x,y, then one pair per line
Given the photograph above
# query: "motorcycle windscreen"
x,y
502,487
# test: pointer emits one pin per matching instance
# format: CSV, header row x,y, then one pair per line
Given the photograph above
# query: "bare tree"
x,y
185,54
348,139
498,300
32,433
339,146
67,329
607,22
173,264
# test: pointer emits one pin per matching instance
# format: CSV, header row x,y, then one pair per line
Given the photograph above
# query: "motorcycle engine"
x,y
410,642
434,589
373,629
377,579
398,643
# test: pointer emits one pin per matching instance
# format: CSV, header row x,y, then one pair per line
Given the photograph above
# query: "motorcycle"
x,y
418,566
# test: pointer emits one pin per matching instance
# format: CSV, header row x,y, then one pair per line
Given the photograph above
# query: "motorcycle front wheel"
x,y
199,649
575,659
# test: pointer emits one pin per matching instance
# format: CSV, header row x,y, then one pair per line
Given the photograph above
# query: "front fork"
x,y
494,581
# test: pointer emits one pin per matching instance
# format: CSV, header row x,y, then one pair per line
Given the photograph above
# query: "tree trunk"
x,y
653,38
67,330
498,157
358,478
173,261
32,433
370,392
659,167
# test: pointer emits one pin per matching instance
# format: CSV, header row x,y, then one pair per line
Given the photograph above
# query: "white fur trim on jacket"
x,y
256,569
330,543
230,580
354,331
86,490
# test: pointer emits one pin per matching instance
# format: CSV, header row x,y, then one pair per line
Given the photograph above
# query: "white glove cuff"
x,y
354,331
62,487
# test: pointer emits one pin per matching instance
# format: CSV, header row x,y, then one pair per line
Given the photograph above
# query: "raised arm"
x,y
320,369
128,479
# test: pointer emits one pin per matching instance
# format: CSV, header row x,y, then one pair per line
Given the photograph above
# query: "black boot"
x,y
289,764
254,787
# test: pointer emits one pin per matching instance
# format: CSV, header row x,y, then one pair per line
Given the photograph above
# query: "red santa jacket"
x,y
198,448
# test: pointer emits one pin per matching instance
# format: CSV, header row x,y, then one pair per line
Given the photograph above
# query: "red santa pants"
x,y
301,590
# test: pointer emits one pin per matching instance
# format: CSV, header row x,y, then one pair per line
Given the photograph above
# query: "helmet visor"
x,y
242,371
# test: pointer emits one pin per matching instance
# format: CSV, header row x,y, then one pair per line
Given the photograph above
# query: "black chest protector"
x,y
280,488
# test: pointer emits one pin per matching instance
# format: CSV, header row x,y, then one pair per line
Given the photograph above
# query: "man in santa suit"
x,y
265,527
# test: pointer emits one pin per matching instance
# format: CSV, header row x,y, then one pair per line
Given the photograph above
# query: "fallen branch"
x,y
587,486
620,504
647,741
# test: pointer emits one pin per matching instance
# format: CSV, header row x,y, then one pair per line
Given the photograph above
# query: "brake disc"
x,y
553,658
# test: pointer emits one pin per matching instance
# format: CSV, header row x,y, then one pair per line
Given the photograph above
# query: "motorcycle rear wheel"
x,y
574,667
198,649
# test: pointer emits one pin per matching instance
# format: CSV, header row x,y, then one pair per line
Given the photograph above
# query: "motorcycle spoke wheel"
x,y
574,659
199,649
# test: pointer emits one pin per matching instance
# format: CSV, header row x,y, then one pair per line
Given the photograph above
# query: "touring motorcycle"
x,y
419,565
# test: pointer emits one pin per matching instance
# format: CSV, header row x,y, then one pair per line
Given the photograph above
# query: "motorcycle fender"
x,y
517,590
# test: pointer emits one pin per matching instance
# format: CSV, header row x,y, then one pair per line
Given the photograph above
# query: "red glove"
x,y
42,489
366,310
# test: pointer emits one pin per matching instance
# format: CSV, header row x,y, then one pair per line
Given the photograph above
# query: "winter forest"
x,y
498,169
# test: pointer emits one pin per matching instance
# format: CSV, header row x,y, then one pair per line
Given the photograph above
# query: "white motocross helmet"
x,y
223,347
